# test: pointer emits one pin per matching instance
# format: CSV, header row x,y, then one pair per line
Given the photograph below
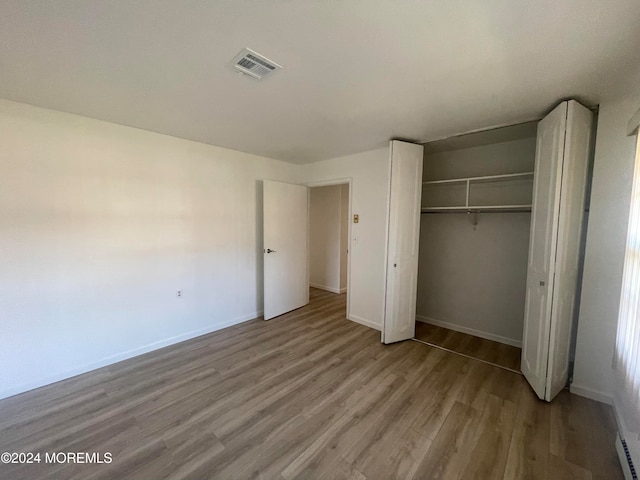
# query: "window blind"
x,y
627,351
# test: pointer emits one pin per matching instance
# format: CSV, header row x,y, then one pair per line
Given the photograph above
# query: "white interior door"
x,y
403,241
570,228
286,278
542,247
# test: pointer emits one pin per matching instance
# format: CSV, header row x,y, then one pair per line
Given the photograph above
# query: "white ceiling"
x,y
356,72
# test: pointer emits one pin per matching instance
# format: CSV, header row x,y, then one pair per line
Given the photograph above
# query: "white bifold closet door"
x,y
286,245
562,159
403,241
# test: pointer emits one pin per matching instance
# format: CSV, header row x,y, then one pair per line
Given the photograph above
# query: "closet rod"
x,y
452,212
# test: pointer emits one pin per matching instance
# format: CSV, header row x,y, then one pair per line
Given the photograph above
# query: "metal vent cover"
x,y
625,458
253,64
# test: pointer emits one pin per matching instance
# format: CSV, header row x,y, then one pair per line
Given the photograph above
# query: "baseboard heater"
x,y
625,459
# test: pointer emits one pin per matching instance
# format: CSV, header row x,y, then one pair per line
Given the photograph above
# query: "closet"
x,y
474,232
501,223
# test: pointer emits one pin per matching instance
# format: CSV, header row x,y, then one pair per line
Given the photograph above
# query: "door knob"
x,y
270,251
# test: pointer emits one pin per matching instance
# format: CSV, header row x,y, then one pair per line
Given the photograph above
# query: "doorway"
x,y
329,242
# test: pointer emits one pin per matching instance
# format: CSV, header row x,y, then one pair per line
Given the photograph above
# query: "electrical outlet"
x,y
179,294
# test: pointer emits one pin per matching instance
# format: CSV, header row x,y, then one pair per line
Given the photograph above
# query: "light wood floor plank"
x,y
487,350
488,457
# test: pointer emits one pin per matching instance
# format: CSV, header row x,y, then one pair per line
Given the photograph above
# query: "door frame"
x,y
328,183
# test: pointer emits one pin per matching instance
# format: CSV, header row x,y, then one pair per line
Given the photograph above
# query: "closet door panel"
x,y
542,247
403,241
570,228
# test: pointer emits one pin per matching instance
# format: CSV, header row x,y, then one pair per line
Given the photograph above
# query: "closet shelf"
x,y
478,209
469,205
485,178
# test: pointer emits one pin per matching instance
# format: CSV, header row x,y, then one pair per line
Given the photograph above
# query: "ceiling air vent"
x,y
251,63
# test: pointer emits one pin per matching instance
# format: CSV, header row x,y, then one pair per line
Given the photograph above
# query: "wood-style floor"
x,y
487,350
308,395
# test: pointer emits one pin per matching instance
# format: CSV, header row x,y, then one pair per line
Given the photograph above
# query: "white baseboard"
x,y
25,387
470,331
327,288
365,322
591,394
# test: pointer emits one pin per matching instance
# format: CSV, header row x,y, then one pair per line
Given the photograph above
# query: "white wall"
x,y
369,172
325,237
492,159
473,279
605,246
344,236
101,224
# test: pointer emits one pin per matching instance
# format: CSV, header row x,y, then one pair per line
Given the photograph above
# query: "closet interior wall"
x,y
473,268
